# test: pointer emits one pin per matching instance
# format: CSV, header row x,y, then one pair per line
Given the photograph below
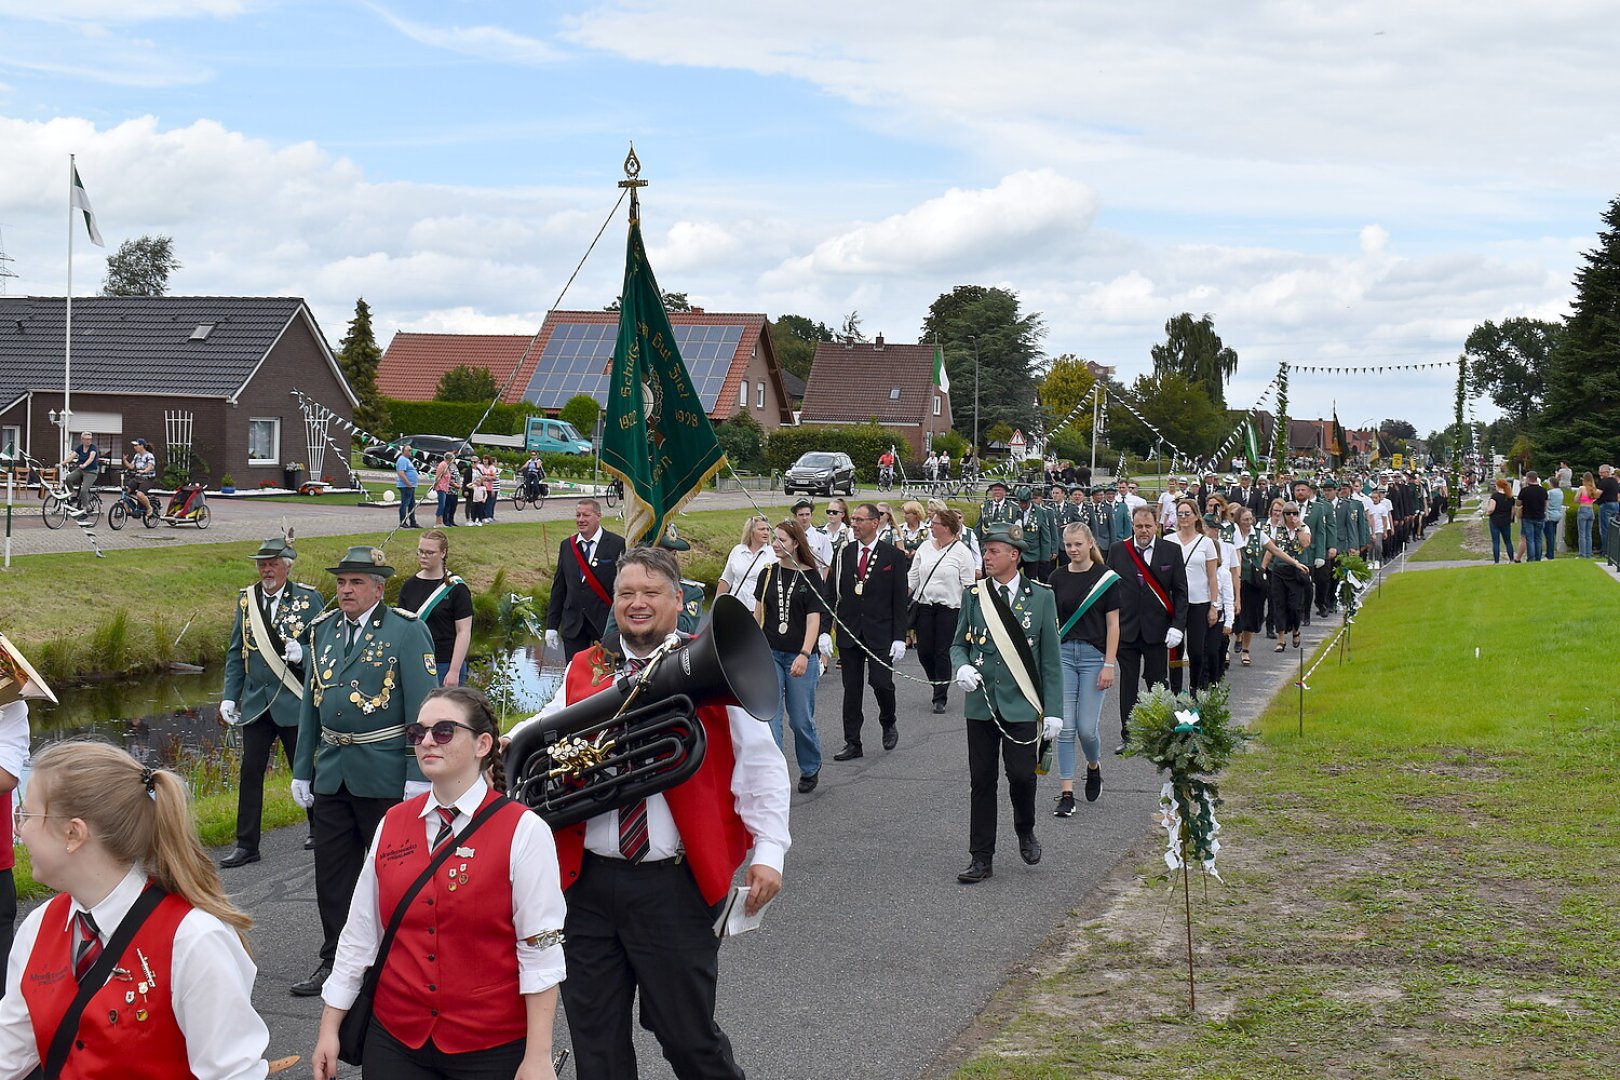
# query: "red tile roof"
x,y
851,384
412,366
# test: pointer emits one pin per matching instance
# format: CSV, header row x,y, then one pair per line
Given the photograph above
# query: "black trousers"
x,y
859,668
936,625
1139,662
1322,578
259,740
8,919
343,825
1194,651
1290,592
642,930
985,743
390,1059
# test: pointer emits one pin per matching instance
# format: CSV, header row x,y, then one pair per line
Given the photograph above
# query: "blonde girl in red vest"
x,y
469,986
103,830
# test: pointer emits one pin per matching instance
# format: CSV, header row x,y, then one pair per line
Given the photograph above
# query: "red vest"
x,y
452,973
8,852
129,1046
705,811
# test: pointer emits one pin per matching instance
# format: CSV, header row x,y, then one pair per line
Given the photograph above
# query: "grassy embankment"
x,y
1424,885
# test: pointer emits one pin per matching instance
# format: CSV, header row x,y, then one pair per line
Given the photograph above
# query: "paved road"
x,y
874,958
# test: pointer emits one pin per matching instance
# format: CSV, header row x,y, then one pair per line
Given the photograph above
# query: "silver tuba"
x,y
642,735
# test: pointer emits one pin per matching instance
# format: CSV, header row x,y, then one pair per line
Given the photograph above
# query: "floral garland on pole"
x,y
1279,451
1191,737
1459,441
1355,578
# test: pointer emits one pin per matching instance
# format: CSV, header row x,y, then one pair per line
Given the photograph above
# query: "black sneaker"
x,y
1065,805
1093,784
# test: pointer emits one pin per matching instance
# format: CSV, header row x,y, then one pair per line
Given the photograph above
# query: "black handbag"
x,y
357,1021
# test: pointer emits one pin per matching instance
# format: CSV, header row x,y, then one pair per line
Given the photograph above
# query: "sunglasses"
x,y
442,732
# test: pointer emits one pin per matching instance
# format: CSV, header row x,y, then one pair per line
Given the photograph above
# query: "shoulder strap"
x,y
591,580
1104,583
374,972
1014,650
96,978
438,594
924,586
265,635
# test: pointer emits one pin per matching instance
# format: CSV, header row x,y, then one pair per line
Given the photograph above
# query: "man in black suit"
x,y
582,591
1152,609
867,588
1251,496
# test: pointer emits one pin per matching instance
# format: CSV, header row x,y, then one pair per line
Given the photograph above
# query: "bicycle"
x,y
615,492
886,478
531,490
129,506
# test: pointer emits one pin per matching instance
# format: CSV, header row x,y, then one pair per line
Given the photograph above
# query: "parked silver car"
x,y
821,472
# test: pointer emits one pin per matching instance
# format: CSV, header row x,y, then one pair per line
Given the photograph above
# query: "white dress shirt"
x,y
537,903
211,990
942,573
759,783
14,736
821,546
743,568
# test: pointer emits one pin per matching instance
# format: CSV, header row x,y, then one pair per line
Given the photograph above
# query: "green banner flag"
x,y
656,436
1251,446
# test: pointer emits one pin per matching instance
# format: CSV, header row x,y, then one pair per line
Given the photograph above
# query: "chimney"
x,y
877,346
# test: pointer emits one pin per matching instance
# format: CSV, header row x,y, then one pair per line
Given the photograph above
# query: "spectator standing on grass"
x,y
1608,503
1566,476
1500,511
1555,518
405,478
444,512
1586,497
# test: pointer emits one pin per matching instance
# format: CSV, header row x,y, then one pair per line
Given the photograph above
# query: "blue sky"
x,y
1353,185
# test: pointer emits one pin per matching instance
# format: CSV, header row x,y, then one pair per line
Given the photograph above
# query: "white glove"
x,y
1172,638
303,794
413,788
968,678
294,653
553,640
824,643
229,713
1319,563
1050,727
897,652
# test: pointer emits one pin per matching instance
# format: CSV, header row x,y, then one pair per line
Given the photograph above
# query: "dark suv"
x,y
821,472
423,448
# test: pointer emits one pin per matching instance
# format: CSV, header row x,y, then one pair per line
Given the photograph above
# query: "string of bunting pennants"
x,y
313,408
1369,369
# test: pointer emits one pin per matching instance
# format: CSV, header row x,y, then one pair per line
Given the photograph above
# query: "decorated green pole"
x,y
1279,442
1459,441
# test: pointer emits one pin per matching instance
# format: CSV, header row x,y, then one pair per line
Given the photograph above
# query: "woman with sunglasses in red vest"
x,y
469,987
116,839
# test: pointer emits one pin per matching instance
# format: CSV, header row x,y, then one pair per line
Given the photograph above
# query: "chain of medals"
x,y
860,582
295,623
369,703
783,596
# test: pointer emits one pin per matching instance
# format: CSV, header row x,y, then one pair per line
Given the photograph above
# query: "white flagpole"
x,y
67,355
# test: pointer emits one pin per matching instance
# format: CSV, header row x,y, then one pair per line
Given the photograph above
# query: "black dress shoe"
x,y
978,870
891,738
1119,751
848,753
309,843
807,782
1029,849
939,707
238,857
311,987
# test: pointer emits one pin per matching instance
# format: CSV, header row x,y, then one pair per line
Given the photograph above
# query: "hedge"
x,y
862,442
455,418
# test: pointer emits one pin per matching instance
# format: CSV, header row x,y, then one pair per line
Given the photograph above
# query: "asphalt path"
x,y
874,959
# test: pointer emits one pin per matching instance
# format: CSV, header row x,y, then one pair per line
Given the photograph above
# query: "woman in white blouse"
x,y
747,560
1202,558
943,567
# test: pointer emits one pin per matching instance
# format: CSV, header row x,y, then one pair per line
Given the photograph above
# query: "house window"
x,y
936,405
894,394
264,441
759,397
10,438
742,396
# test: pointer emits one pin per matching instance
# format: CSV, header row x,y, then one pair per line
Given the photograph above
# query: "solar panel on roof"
x,y
577,357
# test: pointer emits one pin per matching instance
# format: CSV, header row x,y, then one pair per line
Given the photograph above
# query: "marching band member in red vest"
x,y
469,987
177,999
645,883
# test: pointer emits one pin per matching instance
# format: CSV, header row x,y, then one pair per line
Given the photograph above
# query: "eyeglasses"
x,y
835,513
1291,513
442,732
19,815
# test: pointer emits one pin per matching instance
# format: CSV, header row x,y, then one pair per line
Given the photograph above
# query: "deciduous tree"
x,y
1178,407
466,383
1066,383
581,410
975,320
1509,362
141,267
794,337
1193,350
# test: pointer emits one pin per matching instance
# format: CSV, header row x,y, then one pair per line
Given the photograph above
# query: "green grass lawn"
x,y
1424,885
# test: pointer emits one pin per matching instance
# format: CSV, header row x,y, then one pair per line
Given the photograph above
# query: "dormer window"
x,y
202,332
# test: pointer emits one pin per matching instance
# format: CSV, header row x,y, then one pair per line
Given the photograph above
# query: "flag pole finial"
x,y
632,180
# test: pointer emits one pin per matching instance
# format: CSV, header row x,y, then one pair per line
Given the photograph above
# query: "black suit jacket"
x,y
878,614
1254,499
1141,616
575,611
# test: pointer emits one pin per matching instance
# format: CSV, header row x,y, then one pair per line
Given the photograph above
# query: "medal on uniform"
x,y
860,587
782,601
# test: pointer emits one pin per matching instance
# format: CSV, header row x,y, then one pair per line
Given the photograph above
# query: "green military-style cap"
x,y
276,547
1006,532
361,559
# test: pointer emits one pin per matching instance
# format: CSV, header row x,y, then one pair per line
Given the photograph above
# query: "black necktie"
x,y
634,839
354,636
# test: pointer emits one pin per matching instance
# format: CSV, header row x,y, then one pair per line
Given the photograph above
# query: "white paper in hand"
x,y
734,918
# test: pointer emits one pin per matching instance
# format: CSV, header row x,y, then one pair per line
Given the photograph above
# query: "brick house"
x,y
861,381
215,373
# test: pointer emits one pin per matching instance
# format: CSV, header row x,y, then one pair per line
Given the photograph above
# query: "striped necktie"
x,y
87,950
634,841
447,817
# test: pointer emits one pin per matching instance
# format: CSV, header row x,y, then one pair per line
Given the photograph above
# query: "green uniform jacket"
x,y
1319,519
248,679
1035,609
990,513
391,670
1353,530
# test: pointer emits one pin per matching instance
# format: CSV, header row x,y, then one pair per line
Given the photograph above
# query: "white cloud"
x,y
119,11
485,42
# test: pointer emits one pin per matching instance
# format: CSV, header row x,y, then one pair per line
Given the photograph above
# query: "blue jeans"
x,y
1549,537
1501,535
1606,512
1082,705
443,667
1583,526
798,699
1532,531
407,506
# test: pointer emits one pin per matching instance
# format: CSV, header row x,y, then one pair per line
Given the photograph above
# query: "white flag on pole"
x,y
81,201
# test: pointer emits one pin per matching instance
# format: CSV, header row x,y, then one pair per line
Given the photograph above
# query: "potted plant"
x,y
227,485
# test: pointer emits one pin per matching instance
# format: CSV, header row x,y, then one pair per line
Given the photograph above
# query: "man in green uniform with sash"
x,y
264,680
1318,517
1005,653
370,665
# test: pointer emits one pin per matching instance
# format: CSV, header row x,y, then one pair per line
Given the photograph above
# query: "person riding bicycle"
x,y
140,473
534,471
86,464
886,467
